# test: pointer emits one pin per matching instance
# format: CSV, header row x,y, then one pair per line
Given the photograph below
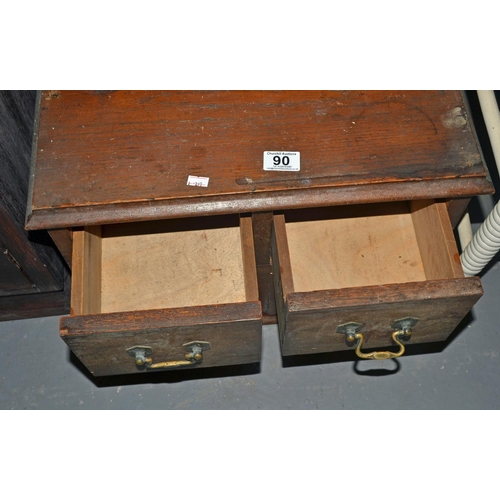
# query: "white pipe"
x,y
464,230
491,116
484,245
486,242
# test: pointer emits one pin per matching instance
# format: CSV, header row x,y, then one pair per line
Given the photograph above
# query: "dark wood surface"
x,y
13,281
34,252
105,156
63,239
100,340
32,275
262,226
36,305
456,209
312,318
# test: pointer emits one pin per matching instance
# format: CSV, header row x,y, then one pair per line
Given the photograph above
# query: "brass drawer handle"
x,y
193,356
380,354
402,328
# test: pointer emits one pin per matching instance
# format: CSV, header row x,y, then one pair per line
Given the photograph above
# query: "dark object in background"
x,y
33,278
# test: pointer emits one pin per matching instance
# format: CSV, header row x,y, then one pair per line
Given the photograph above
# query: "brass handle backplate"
x,y
194,355
401,327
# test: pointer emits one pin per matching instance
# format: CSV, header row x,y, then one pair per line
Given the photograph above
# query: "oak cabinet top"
x,y
117,156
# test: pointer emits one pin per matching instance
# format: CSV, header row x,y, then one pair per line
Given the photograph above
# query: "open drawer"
x,y
379,270
164,294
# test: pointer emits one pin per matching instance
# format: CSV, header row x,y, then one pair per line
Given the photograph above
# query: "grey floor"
x,y
37,371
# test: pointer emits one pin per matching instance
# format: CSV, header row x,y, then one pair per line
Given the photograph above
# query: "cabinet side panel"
x,y
34,252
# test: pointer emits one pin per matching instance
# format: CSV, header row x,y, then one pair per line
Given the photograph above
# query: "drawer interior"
x,y
163,264
376,244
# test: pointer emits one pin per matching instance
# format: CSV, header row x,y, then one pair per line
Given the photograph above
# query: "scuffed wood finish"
x,y
117,156
312,318
130,282
100,341
439,296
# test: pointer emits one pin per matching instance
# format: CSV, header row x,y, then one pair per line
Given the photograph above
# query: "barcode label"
x,y
194,180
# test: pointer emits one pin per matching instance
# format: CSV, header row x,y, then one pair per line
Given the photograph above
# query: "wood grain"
x,y
262,226
151,267
36,259
248,258
126,155
436,241
87,271
282,270
312,318
33,281
100,341
355,246
281,255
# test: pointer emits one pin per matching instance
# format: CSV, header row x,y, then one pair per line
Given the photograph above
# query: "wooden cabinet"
x,y
33,280
362,233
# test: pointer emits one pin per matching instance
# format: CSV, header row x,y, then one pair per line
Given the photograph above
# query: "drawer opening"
x,y
363,245
163,264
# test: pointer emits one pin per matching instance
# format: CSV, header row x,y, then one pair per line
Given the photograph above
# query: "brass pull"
x,y
401,327
194,355
380,354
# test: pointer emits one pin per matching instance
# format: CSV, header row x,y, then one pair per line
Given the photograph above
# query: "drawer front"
x,y
102,341
372,266
309,321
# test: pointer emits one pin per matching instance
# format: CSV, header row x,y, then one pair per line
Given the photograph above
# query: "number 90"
x,y
277,160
